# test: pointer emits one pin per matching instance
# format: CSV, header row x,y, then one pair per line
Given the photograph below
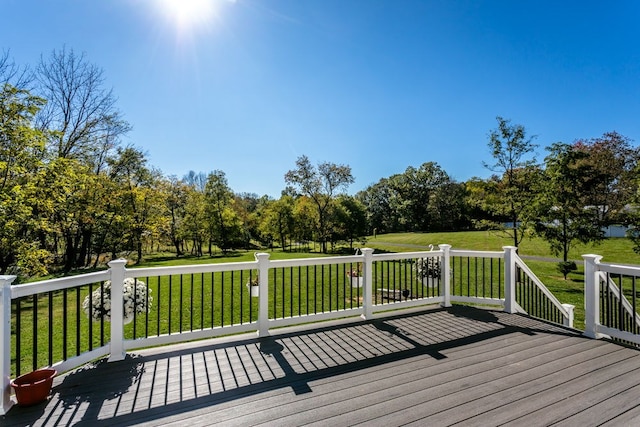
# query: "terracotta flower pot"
x,y
34,387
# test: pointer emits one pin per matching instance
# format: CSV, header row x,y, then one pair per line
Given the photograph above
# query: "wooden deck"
x,y
460,366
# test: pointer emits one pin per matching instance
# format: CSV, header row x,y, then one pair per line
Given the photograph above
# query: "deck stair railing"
x,y
611,301
533,297
47,323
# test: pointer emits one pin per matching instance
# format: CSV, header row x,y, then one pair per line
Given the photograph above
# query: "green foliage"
x,y
349,220
278,221
21,156
564,210
224,226
512,194
320,184
566,267
420,199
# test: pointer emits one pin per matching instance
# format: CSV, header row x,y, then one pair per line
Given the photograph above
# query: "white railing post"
x,y
367,291
568,321
117,351
446,274
591,295
5,341
509,279
263,293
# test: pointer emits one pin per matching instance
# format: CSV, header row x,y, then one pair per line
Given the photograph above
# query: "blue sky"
x,y
247,86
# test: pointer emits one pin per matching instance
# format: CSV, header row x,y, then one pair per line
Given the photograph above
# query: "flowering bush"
x,y
97,305
427,268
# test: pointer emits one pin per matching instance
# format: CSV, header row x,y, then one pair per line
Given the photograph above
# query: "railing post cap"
x,y
366,250
117,262
510,248
444,246
7,278
261,256
592,257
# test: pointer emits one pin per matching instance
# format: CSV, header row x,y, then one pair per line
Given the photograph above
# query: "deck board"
x,y
460,366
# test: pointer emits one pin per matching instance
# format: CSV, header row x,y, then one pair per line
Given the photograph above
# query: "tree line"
x,y
73,195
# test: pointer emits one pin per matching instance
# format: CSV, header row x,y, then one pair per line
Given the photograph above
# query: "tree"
x,y
420,199
247,208
176,197
277,220
612,181
80,112
417,192
225,228
513,152
350,219
564,213
142,201
320,185
378,199
21,156
83,126
305,217
12,74
195,220
449,208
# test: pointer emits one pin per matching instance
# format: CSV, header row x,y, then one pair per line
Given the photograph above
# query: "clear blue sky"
x,y
247,86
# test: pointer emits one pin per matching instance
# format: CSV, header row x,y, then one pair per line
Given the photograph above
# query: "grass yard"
x,y
613,250
570,291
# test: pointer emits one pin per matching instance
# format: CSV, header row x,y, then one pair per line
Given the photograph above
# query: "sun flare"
x,y
188,14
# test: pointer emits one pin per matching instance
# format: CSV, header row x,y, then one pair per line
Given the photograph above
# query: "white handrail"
x,y
561,307
616,293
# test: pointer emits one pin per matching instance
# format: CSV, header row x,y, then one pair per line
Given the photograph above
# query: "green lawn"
x,y
570,291
613,250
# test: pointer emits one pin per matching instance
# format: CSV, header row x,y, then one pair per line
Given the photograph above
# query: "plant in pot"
x,y
428,271
136,299
254,286
355,276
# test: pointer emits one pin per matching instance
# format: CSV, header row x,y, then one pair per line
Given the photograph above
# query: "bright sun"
x,y
188,14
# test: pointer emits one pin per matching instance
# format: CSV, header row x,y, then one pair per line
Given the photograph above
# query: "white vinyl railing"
x,y
611,300
208,300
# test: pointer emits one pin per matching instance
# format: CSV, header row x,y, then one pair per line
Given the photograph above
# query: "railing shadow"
x,y
159,384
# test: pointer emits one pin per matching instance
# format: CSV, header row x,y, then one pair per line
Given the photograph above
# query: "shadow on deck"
x,y
437,367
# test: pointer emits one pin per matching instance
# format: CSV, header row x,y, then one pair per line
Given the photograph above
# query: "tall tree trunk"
x,y
70,253
139,250
84,247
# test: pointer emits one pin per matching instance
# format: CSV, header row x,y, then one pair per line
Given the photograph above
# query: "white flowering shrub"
x,y
97,305
427,268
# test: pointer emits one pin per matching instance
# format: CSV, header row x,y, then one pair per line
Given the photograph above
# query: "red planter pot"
x,y
34,387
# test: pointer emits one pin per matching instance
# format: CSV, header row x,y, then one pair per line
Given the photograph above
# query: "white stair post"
x,y
263,293
591,295
570,310
5,342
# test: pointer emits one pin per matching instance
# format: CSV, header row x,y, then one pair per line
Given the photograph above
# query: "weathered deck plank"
x,y
440,367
